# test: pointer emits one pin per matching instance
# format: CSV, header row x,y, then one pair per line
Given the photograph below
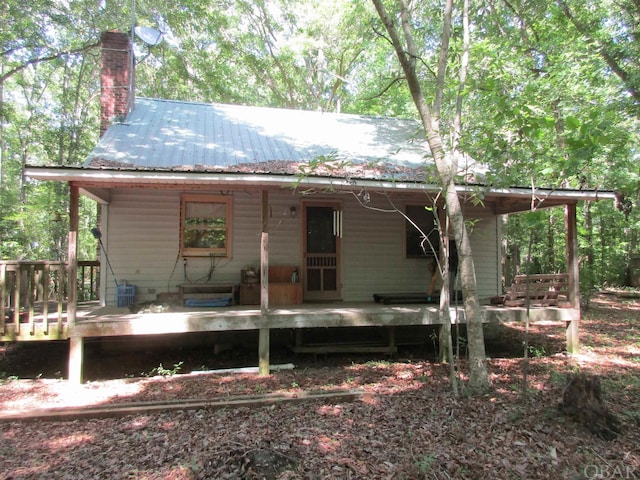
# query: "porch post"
x,y
103,224
263,352
263,341
76,355
72,257
573,340
264,255
76,344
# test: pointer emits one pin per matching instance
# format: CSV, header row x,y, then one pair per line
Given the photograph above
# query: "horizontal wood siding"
x,y
142,241
486,249
143,244
374,253
374,257
285,229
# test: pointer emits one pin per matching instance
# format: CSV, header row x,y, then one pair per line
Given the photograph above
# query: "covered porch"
x,y
93,321
77,321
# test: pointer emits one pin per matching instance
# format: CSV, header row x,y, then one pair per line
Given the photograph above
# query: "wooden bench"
x,y
409,297
201,293
540,289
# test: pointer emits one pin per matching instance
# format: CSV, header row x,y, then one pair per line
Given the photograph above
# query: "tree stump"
x,y
582,400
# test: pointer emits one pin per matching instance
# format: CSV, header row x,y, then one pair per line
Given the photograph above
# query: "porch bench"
x,y
410,297
201,292
539,290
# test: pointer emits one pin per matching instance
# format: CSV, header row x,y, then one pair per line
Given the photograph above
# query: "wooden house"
x,y
260,218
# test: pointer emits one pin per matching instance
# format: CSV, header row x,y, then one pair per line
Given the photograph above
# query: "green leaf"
x,y
572,122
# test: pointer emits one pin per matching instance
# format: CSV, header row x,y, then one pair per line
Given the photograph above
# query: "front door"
x,y
322,234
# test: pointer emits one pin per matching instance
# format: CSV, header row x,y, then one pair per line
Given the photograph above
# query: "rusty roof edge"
x,y
155,176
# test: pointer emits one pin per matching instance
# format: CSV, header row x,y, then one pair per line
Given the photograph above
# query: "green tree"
x,y
559,116
550,98
46,70
400,27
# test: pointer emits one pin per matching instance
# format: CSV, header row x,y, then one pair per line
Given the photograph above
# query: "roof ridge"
x,y
266,107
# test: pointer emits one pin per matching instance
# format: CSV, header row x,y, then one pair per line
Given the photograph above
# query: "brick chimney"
x,y
117,94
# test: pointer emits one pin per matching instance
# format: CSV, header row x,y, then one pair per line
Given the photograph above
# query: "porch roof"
x,y
94,183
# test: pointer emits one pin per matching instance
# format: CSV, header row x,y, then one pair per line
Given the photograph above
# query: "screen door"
x,y
323,232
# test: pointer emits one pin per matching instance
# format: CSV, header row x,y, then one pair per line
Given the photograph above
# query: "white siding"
x,y
374,258
485,246
374,253
143,244
142,239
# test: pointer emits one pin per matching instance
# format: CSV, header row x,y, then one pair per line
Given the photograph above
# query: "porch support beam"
x,y
263,351
264,255
76,344
72,266
263,340
572,330
76,359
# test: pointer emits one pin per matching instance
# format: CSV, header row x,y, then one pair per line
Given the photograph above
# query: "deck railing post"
x,y
32,292
60,294
45,297
16,298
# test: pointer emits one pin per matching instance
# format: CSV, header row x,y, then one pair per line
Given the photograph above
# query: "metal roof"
x,y
183,143
187,136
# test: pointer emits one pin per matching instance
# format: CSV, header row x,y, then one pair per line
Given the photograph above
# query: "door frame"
x,y
337,206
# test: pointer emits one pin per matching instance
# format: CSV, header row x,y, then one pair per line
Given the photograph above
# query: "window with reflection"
x,y
424,240
205,226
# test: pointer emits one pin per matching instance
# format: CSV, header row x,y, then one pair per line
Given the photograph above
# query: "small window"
x,y
205,228
416,244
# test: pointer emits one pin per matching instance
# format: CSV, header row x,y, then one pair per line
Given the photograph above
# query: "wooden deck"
x,y
96,321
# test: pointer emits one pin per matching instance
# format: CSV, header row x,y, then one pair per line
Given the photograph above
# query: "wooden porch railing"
x,y
34,290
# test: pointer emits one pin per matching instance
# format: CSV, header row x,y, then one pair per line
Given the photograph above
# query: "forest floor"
x,y
406,424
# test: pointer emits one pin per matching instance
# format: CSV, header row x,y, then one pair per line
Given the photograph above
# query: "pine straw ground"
x,y
408,427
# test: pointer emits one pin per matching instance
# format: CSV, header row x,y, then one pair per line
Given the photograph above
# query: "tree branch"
x,y
442,62
615,66
35,61
464,65
408,53
385,89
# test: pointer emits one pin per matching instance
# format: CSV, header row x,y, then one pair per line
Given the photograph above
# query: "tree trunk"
x,y
447,169
478,377
582,400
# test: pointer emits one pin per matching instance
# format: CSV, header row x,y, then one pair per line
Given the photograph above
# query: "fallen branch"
x,y
140,408
224,371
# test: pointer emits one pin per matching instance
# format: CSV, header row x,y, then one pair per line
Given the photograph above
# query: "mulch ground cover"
x,y
405,425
